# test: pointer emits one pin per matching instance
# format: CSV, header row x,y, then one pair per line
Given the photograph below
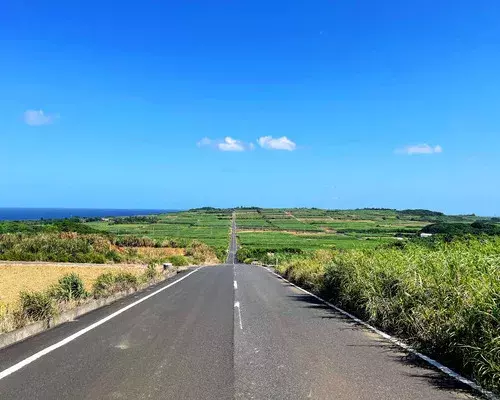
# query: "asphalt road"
x,y
207,337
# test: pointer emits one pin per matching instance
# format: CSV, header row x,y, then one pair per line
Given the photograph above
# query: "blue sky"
x,y
335,104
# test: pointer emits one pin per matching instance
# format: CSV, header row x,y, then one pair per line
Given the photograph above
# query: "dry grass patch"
x,y
17,278
160,252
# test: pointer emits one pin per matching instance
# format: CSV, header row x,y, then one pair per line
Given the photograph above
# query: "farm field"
x,y
309,229
210,227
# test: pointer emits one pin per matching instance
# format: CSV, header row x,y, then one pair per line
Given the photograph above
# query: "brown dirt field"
x,y
15,278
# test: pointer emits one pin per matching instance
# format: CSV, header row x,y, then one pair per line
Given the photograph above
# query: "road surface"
x,y
224,332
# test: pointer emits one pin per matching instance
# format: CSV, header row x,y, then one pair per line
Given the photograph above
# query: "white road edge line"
x,y
75,335
489,395
235,285
237,305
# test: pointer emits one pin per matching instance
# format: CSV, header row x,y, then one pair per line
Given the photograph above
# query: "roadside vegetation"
x,y
441,296
47,296
96,248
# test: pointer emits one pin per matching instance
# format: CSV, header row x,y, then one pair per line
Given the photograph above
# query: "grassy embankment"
x,y
442,295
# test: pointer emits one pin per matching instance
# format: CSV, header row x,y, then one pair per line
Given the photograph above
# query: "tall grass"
x,y
443,299
64,247
95,248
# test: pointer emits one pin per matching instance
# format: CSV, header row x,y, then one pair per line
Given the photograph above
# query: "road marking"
x,y
489,395
237,305
235,285
72,337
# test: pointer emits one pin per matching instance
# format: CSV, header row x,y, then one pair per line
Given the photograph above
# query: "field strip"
x,y
83,331
489,395
289,213
294,217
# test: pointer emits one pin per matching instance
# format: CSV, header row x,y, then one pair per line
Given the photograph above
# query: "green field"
x,y
309,229
210,227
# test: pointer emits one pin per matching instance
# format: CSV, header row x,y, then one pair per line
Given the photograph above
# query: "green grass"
x,y
442,298
277,240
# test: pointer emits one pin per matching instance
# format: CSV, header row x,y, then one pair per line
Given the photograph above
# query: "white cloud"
x,y
230,144
420,149
282,143
204,142
37,118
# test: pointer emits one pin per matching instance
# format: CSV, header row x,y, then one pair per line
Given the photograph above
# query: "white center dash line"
x,y
237,305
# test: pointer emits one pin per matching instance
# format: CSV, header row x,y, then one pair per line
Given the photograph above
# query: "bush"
x,y
452,230
69,287
109,283
59,247
103,284
307,271
134,241
151,272
201,253
174,243
125,280
37,306
178,261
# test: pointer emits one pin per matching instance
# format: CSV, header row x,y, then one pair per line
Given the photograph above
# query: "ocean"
x,y
54,213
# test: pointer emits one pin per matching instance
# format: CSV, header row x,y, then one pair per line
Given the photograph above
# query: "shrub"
x,y
125,280
178,261
201,253
109,283
69,287
151,272
61,247
174,243
461,229
134,241
37,306
103,284
307,271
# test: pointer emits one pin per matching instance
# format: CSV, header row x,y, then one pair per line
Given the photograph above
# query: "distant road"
x,y
225,332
